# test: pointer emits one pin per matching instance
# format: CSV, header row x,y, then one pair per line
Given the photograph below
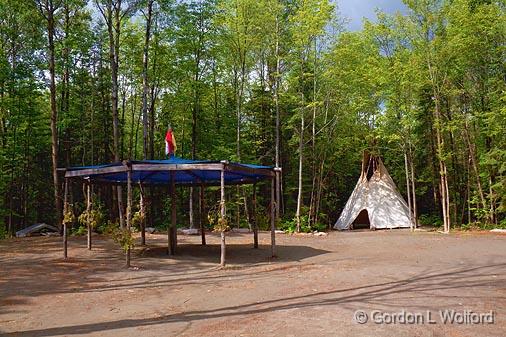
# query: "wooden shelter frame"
x,y
91,176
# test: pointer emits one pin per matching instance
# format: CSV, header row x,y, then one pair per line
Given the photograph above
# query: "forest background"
x,y
273,82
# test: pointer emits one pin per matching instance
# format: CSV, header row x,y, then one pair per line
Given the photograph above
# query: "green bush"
x,y
93,218
81,230
320,227
124,238
430,220
478,225
290,226
3,231
107,227
137,219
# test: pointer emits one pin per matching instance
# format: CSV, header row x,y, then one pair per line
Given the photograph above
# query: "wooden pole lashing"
x,y
129,212
254,215
202,215
222,215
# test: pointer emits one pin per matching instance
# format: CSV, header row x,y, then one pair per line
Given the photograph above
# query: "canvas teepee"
x,y
375,200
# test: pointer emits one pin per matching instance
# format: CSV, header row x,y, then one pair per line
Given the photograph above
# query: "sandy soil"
x,y
313,288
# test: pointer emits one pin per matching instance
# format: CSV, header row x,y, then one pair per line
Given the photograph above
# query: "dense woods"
x,y
273,82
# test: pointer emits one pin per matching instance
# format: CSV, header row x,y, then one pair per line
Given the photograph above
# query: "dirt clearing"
x,y
314,287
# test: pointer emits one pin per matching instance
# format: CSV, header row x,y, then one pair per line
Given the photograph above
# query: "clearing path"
x,y
313,288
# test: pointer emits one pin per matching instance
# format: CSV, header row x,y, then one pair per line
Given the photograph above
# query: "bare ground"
x,y
312,289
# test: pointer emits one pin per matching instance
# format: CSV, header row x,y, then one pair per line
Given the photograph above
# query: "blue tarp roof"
x,y
183,171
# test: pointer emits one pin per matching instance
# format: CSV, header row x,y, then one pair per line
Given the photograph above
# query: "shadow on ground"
x,y
37,268
423,284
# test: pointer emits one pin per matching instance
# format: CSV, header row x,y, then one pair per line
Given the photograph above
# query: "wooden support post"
x,y
273,217
143,214
129,211
222,215
65,210
88,212
278,200
172,232
202,215
169,235
254,217
277,172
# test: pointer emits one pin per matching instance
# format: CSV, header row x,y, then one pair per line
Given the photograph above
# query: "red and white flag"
x,y
170,143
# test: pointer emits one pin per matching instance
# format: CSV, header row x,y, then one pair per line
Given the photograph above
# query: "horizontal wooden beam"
x,y
94,171
231,167
244,181
147,167
177,167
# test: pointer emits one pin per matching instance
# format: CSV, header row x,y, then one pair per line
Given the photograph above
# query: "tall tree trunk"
x,y
112,16
278,123
443,174
145,92
443,182
195,113
145,84
153,91
408,192
472,156
301,154
413,190
312,204
47,10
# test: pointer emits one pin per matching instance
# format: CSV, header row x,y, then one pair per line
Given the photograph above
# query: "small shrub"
x,y
93,218
124,238
221,225
320,227
68,217
107,227
138,219
214,218
81,230
3,231
288,226
430,220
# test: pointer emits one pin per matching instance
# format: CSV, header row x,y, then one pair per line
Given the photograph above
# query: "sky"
x,y
356,10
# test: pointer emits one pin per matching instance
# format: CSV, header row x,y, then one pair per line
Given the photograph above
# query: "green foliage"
x,y
319,227
430,220
290,226
215,219
262,218
79,231
124,238
91,218
3,232
137,219
475,226
212,72
68,216
107,227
